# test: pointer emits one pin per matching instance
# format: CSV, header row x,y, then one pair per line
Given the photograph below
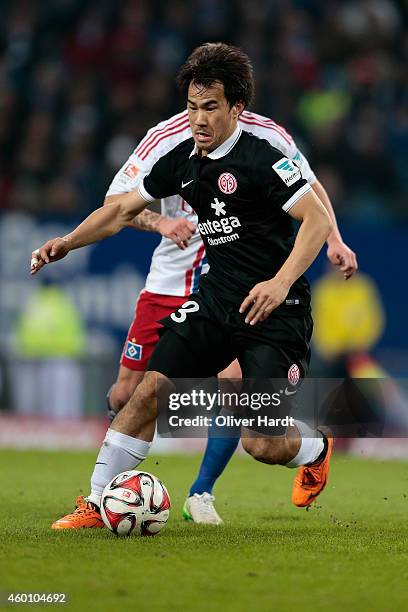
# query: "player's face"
x,y
212,119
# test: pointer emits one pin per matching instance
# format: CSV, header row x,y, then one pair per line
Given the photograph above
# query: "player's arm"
x,y
337,251
102,223
315,227
179,230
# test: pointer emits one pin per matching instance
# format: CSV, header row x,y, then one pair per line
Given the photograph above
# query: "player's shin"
x,y
119,453
221,445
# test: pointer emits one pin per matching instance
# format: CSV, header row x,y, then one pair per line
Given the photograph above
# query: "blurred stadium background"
x,y
82,81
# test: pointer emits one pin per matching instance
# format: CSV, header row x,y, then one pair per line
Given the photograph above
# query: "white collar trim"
x,y
224,148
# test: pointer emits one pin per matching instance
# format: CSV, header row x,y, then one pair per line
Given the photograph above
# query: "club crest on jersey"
x,y
133,351
293,374
287,171
227,183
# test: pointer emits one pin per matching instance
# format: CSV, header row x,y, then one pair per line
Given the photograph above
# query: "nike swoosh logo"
x,y
185,184
287,392
100,463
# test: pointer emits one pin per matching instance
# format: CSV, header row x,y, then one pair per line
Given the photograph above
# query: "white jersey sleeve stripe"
x,y
296,196
145,194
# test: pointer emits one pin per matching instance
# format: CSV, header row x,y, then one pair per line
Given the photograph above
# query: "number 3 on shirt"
x,y
181,314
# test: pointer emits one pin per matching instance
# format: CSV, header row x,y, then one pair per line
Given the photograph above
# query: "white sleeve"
x,y
158,141
129,177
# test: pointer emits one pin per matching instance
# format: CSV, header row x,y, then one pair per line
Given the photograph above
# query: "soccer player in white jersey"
x,y
175,269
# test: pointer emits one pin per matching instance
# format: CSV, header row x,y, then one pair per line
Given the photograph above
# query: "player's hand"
x,y
179,230
51,251
263,299
342,256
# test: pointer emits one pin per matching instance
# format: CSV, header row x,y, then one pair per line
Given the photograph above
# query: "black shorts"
x,y
206,334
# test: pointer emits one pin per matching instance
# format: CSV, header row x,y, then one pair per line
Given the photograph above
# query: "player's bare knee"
x,y
153,385
123,393
138,416
124,387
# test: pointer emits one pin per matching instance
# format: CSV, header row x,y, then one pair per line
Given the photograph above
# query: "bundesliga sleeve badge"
x,y
128,173
287,171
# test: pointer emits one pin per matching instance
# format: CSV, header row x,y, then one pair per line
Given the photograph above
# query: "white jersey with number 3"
x,y
172,271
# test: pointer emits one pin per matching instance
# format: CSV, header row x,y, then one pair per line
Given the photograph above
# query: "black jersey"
x,y
241,193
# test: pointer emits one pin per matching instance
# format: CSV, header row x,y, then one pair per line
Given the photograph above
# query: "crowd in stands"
x,y
82,80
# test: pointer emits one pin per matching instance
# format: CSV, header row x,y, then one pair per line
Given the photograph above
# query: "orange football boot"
x,y
85,516
310,480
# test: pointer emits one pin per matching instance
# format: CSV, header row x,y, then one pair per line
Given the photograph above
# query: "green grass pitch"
x,y
350,552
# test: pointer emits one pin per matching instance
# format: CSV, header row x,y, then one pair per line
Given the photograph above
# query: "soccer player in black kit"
x,y
254,303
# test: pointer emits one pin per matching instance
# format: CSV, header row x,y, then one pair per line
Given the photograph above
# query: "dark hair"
x,y
226,64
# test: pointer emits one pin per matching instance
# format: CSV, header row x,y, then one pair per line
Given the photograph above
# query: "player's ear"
x,y
237,109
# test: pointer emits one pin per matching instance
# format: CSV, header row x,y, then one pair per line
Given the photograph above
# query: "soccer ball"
x,y
135,503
